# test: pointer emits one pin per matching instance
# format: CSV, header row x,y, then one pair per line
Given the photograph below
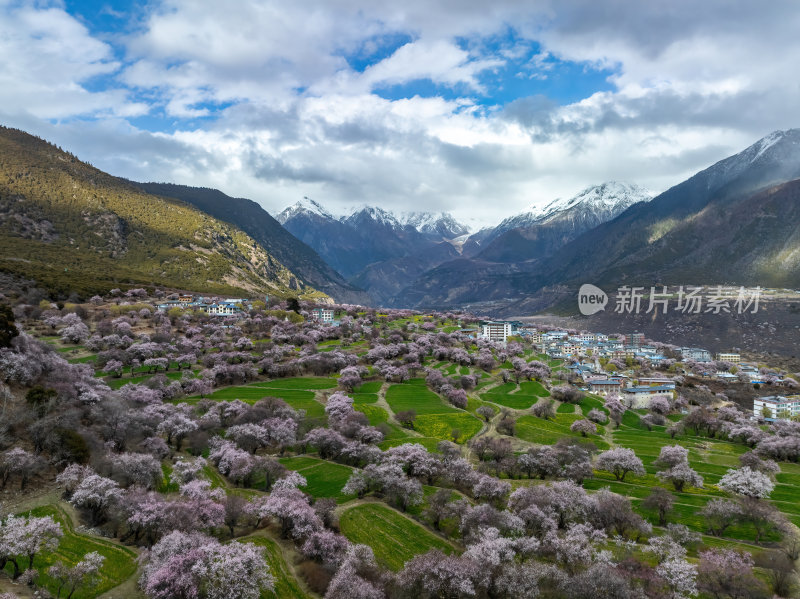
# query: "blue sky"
x,y
482,110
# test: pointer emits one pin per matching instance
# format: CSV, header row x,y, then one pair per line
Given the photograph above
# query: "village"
x,y
592,355
597,360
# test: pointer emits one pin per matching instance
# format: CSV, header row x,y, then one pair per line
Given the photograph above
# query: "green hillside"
x,y
71,227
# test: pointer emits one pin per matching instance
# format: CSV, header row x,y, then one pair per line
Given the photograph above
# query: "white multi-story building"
x,y
496,330
323,314
695,353
777,407
639,397
224,309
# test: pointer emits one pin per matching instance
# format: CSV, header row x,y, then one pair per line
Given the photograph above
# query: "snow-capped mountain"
x,y
306,206
439,225
380,250
372,215
592,206
735,222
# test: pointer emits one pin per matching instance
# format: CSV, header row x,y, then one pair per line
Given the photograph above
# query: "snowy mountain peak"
x,y
304,206
379,215
441,224
598,202
609,196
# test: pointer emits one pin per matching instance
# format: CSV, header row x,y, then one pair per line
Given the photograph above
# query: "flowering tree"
x,y
660,404
290,507
85,572
681,475
661,501
490,488
680,577
136,469
22,537
728,573
747,482
584,427
184,566
720,514
96,495
177,427
325,547
435,574
358,576
619,462
18,462
672,455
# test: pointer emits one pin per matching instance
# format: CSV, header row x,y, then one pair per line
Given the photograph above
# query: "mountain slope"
x,y
251,218
686,235
610,251
72,227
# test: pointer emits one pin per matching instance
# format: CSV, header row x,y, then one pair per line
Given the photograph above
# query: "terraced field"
x,y
548,432
435,418
325,479
394,538
119,565
286,585
516,397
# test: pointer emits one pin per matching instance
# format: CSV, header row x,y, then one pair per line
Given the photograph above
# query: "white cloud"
x,y
48,57
691,84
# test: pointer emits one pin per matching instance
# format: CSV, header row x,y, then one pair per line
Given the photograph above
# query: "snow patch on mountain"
x,y
434,223
606,201
304,206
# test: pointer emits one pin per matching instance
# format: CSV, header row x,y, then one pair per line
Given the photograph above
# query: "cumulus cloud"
x,y
276,100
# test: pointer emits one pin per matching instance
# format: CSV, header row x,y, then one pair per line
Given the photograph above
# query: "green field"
x,y
441,425
325,479
286,585
548,432
120,563
308,383
516,397
416,397
435,418
394,538
369,387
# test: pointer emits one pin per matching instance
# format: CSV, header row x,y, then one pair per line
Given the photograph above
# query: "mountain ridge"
x,y
249,216
645,242
74,228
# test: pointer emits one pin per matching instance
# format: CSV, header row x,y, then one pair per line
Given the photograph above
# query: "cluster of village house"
x,y
584,351
214,307
230,307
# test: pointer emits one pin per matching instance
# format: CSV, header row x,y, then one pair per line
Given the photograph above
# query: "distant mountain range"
x,y
384,253
736,222
374,249
72,228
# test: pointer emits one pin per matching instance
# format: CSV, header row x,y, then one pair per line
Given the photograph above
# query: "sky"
x,y
479,108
